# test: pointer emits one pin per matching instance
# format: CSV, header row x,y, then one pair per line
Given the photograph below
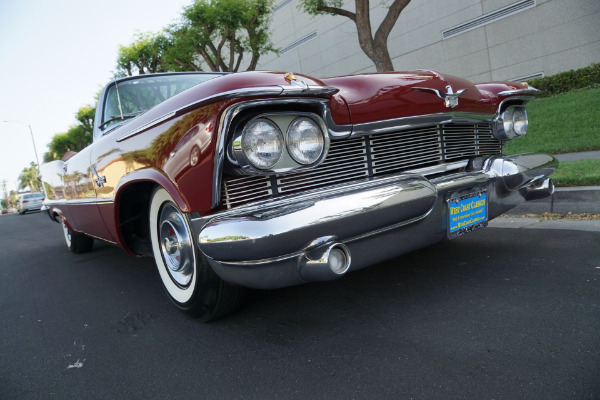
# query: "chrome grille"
x,y
346,161
462,141
245,190
370,156
419,147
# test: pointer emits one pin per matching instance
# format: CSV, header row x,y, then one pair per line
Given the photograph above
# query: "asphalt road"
x,y
496,314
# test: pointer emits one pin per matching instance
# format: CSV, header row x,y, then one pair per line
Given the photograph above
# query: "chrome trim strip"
x,y
531,91
80,202
438,169
390,227
147,126
303,88
397,124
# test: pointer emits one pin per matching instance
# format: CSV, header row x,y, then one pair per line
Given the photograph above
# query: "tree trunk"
x,y
194,66
381,57
207,58
375,47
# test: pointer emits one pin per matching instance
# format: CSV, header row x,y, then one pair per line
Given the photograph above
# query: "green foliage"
x,y
29,178
211,34
143,55
562,124
568,81
577,173
76,138
318,7
217,33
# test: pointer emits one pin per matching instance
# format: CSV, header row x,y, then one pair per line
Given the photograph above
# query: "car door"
x,y
81,183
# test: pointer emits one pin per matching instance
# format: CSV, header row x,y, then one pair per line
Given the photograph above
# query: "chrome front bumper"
x,y
287,241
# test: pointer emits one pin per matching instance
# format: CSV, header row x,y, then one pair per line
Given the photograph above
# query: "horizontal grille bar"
x,y
370,156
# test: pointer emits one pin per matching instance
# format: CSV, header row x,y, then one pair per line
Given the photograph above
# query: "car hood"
x,y
382,96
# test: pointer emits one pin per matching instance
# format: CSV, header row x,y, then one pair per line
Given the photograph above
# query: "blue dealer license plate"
x,y
467,213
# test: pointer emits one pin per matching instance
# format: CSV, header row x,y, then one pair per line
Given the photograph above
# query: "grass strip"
x,y
565,123
577,173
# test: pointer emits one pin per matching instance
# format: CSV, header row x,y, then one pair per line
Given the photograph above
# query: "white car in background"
x,y
31,202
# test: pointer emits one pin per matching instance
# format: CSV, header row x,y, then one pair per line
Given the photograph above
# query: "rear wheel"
x,y
187,277
76,242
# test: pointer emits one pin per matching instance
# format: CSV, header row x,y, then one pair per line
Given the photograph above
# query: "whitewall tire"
x,y
189,281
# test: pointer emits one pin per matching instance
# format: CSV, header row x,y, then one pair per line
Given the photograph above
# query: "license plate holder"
x,y
467,212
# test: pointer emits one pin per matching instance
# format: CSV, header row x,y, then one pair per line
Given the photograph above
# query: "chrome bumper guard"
x,y
321,235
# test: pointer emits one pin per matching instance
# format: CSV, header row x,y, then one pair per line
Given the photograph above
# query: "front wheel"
x,y
76,242
189,281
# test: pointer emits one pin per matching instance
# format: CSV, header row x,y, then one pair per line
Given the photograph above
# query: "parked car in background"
x,y
268,179
30,202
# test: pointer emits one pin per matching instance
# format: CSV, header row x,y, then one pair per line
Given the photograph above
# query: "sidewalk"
x,y
577,200
592,225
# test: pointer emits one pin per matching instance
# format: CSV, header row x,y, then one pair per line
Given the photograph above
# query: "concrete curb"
x,y
539,223
576,200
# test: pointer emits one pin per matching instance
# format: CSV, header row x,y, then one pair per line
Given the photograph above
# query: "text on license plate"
x,y
467,212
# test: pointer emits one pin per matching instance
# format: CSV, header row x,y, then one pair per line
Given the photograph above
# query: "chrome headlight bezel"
x,y
512,123
287,163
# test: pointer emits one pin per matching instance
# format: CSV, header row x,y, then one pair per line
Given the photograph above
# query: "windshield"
x,y
132,97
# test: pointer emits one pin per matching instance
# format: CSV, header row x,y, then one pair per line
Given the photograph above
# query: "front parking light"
x,y
514,122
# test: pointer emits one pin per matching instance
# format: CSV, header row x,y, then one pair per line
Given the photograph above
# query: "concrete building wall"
x,y
544,37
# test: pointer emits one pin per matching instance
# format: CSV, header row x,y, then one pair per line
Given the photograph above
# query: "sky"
x,y
54,57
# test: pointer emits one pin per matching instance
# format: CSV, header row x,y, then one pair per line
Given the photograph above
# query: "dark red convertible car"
x,y
267,179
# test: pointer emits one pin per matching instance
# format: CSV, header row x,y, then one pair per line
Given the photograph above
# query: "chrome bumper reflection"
x,y
269,244
255,234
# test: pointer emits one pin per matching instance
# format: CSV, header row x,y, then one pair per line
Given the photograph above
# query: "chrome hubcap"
x,y
176,245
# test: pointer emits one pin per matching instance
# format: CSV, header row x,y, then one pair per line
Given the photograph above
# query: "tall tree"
x,y
217,33
29,178
143,56
76,138
374,46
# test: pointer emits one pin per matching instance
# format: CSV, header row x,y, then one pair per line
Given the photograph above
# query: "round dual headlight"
x,y
305,141
262,143
515,122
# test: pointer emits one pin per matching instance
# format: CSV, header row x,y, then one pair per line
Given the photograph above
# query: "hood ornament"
x,y
450,98
290,78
